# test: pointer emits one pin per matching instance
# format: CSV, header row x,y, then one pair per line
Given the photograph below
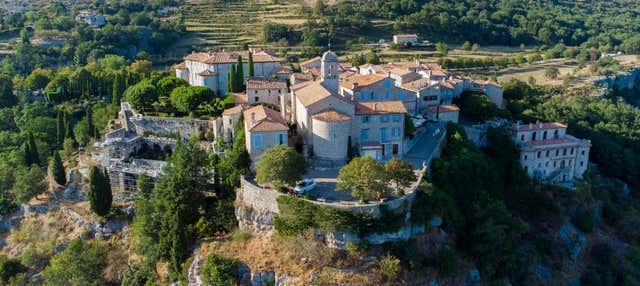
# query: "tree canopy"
x,y
141,95
365,177
280,166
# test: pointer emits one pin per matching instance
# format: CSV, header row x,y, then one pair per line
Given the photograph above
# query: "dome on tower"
x,y
329,56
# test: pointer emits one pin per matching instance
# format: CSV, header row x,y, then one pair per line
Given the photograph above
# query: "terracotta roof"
x,y
310,61
206,73
182,65
313,93
539,126
230,57
302,77
239,98
266,83
417,85
444,108
380,107
412,76
446,84
331,115
283,70
438,72
234,110
361,80
260,118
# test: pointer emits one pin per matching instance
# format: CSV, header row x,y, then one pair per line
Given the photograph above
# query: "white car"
x,y
305,186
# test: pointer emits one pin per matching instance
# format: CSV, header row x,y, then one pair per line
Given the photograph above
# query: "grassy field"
x,y
217,24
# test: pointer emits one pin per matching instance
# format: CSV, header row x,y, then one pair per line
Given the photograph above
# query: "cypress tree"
x,y
33,150
239,74
117,89
92,128
68,134
27,154
57,169
100,196
60,129
250,65
233,76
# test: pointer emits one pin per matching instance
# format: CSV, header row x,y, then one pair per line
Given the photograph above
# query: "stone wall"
x,y
165,126
621,81
257,207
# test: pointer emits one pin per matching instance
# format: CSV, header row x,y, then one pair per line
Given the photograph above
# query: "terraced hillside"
x,y
219,24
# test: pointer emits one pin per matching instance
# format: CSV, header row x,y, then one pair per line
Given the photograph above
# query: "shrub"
x,y
390,267
218,270
9,268
583,219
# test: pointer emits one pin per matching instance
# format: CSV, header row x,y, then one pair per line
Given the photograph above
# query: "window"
x,y
539,154
364,134
544,135
522,137
396,118
526,157
547,153
571,151
581,163
564,152
533,136
257,99
364,119
257,141
383,134
582,152
557,152
282,139
255,91
384,118
555,134
371,95
396,132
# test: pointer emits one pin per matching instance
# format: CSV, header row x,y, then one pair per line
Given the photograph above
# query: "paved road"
x,y
422,150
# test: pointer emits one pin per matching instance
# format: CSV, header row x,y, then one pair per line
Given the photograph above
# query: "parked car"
x,y
305,186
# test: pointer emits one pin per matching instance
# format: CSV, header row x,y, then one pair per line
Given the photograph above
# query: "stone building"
x,y
549,154
374,87
266,90
212,69
91,18
446,113
405,38
264,128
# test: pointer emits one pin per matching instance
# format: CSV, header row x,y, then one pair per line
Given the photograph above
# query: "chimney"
x,y
375,107
253,118
388,74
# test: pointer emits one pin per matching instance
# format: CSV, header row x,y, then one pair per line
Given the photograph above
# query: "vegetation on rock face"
x,y
218,270
280,166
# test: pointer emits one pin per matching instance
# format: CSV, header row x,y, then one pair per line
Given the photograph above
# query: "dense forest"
x,y
613,24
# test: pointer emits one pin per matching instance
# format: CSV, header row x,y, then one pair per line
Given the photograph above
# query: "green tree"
x,y
250,67
442,49
141,95
400,173
477,106
188,98
29,183
60,129
100,195
239,75
7,98
144,185
38,79
409,128
235,162
56,168
117,88
551,72
466,46
365,177
9,268
80,264
31,151
167,84
218,270
280,166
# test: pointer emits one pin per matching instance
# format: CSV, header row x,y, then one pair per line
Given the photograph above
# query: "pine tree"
x,y
100,196
33,151
250,65
239,74
57,169
60,129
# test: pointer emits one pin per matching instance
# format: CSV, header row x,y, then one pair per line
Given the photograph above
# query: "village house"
x,y
91,18
405,38
446,113
549,154
212,69
266,90
264,128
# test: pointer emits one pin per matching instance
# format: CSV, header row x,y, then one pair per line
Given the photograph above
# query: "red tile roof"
x,y
539,126
266,83
331,115
231,57
263,119
379,107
